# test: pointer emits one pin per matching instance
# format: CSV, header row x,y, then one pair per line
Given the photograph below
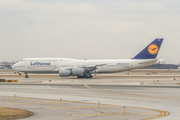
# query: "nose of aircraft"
x,y
13,66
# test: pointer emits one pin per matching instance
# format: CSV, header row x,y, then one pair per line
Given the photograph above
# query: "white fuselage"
x,y
53,65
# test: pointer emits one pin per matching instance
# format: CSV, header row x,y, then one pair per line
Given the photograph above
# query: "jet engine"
x,y
77,71
64,73
161,61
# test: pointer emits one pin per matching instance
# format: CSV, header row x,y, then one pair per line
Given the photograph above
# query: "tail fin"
x,y
151,51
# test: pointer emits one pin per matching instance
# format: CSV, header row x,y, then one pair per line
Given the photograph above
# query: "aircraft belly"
x,y
40,72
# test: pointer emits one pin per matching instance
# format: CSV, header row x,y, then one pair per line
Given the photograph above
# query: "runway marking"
x,y
90,87
82,107
131,94
115,114
36,103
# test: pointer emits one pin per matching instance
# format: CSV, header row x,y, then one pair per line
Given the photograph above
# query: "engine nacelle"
x,y
64,73
160,61
77,71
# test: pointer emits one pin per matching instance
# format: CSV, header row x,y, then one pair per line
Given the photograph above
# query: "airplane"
x,y
84,68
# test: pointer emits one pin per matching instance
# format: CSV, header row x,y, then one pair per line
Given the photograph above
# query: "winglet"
x,y
151,51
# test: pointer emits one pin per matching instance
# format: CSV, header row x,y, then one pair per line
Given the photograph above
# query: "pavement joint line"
x,y
115,114
34,103
62,100
81,107
58,103
13,98
131,94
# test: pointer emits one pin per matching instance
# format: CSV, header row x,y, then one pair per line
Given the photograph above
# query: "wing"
x,y
93,67
88,67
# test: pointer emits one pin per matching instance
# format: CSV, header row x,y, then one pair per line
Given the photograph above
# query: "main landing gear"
x,y
85,75
26,76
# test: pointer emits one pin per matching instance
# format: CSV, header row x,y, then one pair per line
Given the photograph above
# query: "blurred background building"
x,y
6,65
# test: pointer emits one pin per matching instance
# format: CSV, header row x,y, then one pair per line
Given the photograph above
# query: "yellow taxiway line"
x,y
115,114
160,115
82,107
163,114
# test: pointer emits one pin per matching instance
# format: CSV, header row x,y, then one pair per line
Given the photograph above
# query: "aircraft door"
x,y
23,63
27,64
55,65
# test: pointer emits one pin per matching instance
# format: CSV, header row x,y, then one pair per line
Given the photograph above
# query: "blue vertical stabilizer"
x,y
151,51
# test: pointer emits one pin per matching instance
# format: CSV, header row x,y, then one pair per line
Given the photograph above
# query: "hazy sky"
x,y
91,29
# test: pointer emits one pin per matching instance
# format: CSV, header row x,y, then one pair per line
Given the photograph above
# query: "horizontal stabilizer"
x,y
149,62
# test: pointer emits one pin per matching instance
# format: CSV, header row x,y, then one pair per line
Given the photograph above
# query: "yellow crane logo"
x,y
153,49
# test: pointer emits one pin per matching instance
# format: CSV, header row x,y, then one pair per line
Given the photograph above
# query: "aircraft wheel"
x,y
26,76
90,76
80,76
87,75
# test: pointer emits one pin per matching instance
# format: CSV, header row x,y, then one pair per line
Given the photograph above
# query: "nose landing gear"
x,y
26,76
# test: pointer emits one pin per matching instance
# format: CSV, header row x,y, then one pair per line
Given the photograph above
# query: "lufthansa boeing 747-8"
x,y
85,68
